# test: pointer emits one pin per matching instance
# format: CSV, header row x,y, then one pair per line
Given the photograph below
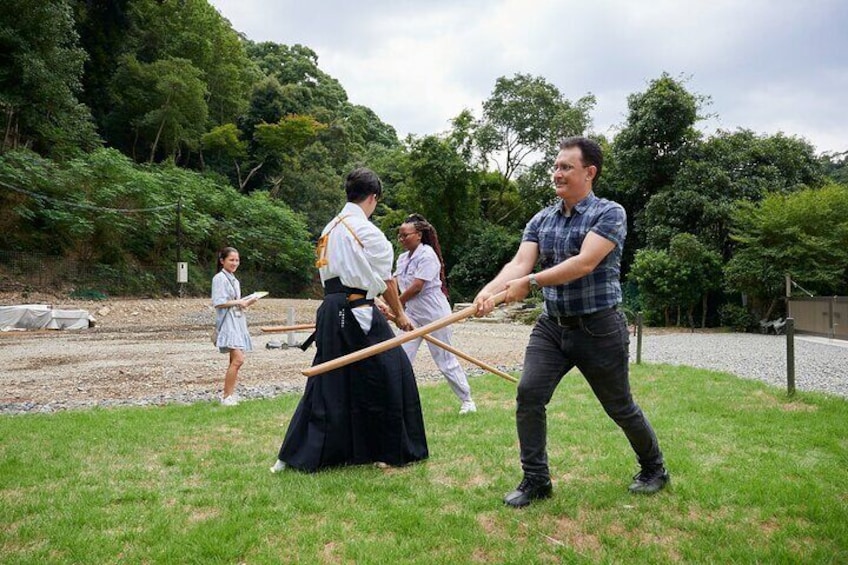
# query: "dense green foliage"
x,y
101,209
804,234
252,140
681,277
40,69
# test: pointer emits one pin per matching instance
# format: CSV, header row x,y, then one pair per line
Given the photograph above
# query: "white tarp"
x,y
42,316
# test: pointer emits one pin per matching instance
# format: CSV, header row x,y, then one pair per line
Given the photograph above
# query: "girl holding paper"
x,y
233,337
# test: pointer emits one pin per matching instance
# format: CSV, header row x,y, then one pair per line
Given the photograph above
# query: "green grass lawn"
x,y
756,478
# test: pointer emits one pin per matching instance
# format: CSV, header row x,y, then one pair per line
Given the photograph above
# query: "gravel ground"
x,y
150,352
820,364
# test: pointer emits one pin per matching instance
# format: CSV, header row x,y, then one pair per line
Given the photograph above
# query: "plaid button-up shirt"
x,y
560,237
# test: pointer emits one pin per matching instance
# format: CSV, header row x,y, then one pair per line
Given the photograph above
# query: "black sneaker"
x,y
649,481
529,489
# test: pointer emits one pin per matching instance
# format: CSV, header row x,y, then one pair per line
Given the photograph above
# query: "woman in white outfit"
x,y
233,337
421,281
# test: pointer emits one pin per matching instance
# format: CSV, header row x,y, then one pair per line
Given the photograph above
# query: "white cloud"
x,y
768,65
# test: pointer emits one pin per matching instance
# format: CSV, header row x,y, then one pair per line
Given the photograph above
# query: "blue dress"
x,y
231,322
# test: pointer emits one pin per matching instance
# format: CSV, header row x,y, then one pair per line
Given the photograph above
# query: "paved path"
x,y
821,364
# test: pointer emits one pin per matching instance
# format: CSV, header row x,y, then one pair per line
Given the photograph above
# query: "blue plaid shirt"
x,y
560,237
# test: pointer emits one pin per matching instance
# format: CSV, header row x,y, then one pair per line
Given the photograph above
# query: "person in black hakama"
x,y
368,411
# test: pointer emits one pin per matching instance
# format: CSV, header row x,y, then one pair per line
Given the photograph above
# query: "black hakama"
x,y
365,412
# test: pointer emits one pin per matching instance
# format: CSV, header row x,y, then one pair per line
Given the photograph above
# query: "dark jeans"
x,y
599,347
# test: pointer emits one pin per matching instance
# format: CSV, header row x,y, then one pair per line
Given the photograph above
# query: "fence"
x,y
821,316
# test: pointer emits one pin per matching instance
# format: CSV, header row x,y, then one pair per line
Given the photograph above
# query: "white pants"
x,y
425,309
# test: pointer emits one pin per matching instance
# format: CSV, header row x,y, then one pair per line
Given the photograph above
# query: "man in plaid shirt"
x,y
578,244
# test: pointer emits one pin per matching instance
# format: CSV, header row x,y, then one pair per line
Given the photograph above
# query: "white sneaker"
x,y
278,466
231,400
467,407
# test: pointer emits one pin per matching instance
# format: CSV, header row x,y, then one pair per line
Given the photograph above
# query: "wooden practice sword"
x,y
396,341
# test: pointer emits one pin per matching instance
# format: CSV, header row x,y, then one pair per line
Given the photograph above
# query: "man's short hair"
x,y
591,151
361,183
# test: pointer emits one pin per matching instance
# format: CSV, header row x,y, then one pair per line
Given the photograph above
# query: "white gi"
x,y
365,264
427,306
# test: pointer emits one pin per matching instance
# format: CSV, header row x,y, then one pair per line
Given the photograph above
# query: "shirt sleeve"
x,y
219,289
612,224
401,261
427,268
378,251
531,230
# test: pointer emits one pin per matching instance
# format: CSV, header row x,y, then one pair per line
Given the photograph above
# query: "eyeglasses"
x,y
564,167
402,236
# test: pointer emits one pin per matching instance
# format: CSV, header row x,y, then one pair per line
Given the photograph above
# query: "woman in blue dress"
x,y
233,337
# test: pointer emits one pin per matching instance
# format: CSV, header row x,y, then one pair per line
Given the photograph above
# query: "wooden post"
x,y
790,356
788,295
639,338
290,321
831,312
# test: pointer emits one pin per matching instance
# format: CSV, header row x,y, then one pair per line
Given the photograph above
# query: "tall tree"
x,y
804,234
522,120
103,27
720,171
194,30
163,102
836,166
659,129
650,149
227,152
439,185
41,63
306,88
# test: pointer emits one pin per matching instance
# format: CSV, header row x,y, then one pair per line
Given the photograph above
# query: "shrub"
x,y
736,317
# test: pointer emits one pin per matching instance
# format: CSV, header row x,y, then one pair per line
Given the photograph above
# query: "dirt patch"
x,y
158,351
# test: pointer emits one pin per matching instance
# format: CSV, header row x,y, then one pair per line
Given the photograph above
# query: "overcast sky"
x,y
767,65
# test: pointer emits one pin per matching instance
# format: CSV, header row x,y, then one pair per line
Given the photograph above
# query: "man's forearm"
x,y
510,271
390,295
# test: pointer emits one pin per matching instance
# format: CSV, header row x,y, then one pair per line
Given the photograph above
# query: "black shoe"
x,y
529,489
649,480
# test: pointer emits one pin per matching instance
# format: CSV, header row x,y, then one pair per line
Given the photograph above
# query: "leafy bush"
x,y
482,256
736,317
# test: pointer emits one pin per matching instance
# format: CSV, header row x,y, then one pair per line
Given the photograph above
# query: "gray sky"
x,y
767,65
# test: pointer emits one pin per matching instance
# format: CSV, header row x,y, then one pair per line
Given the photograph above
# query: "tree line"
x,y
115,112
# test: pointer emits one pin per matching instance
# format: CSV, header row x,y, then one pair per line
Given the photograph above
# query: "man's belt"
x,y
574,321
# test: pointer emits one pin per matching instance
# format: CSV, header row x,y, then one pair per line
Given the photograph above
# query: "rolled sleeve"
x,y
612,225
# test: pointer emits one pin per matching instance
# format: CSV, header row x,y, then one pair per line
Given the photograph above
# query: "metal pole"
x,y
639,338
790,356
